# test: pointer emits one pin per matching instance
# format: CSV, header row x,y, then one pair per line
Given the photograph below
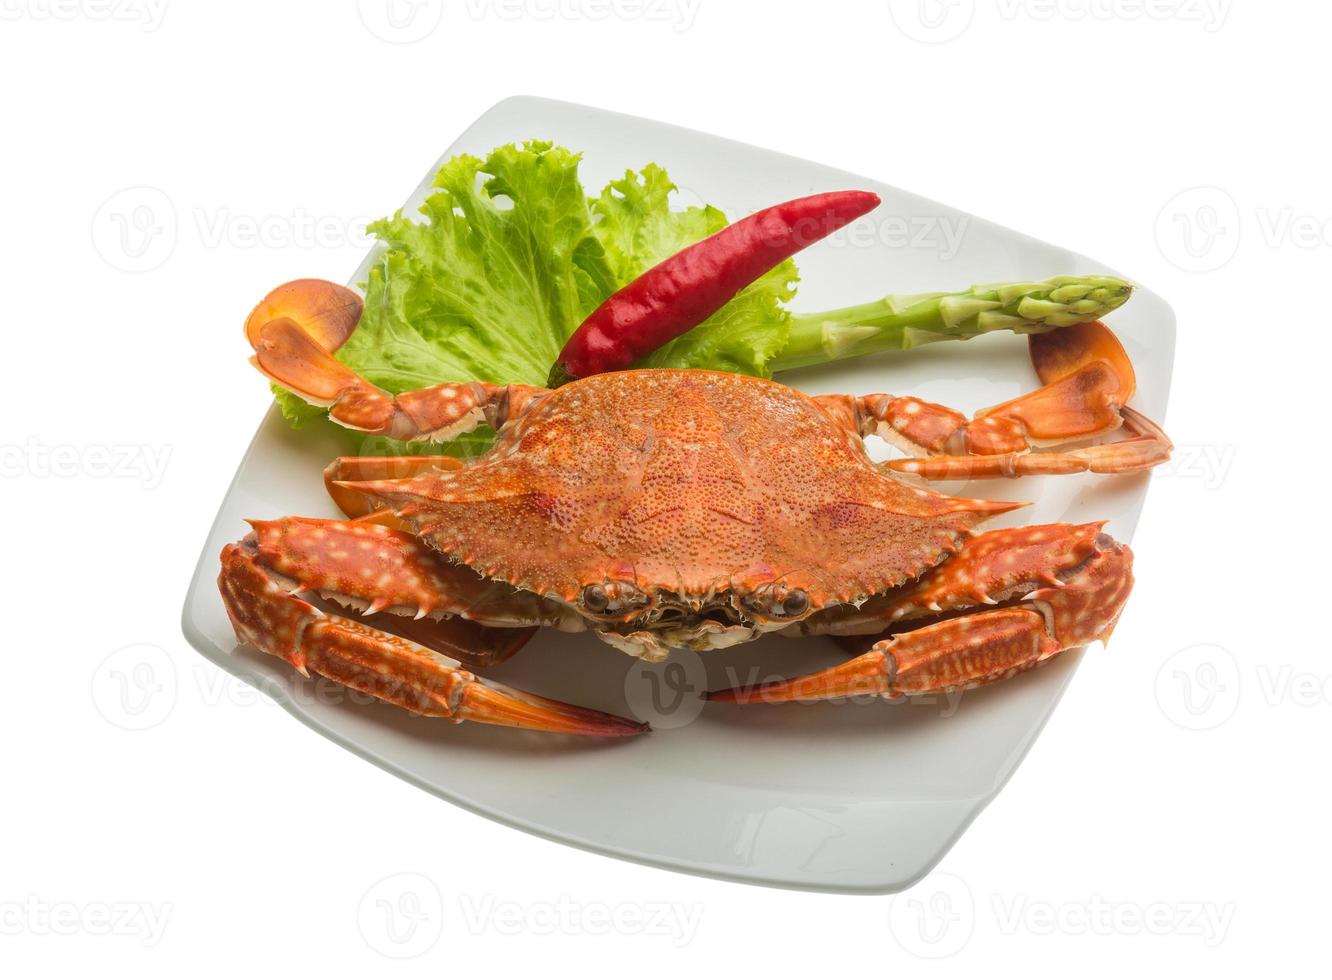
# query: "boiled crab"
x,y
675,508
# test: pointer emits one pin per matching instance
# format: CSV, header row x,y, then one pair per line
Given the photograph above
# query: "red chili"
x,y
681,292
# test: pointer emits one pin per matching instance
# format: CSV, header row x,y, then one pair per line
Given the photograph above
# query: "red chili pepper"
x,y
681,292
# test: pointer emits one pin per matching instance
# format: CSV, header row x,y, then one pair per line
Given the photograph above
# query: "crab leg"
x,y
267,614
976,648
296,328
1087,380
351,468
1146,447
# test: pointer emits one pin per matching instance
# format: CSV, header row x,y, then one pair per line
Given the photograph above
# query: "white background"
x,y
1174,811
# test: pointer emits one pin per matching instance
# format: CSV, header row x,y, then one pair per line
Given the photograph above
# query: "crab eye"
x,y
779,602
795,603
595,599
613,599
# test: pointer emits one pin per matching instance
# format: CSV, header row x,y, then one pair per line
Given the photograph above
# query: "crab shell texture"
x,y
684,508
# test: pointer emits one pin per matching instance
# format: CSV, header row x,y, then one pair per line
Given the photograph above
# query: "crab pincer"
x,y
268,612
957,652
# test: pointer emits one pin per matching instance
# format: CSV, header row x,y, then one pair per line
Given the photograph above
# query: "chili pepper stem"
x,y
902,322
559,376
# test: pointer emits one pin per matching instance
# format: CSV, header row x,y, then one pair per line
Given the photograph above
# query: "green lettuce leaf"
x,y
510,257
488,287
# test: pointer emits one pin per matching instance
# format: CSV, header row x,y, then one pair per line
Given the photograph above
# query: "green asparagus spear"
x,y
903,322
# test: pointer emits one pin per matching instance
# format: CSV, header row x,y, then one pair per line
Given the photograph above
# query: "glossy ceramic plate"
x,y
859,797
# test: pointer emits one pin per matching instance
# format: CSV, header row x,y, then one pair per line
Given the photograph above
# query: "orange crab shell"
x,y
687,483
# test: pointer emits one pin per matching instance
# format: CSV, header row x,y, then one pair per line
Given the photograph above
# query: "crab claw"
x,y
266,614
870,673
952,655
496,704
974,649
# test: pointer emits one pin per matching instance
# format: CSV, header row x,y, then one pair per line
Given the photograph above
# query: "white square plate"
x,y
848,798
